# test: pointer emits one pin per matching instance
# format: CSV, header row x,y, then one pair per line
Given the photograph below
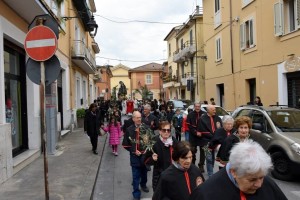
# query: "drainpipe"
x,y
231,51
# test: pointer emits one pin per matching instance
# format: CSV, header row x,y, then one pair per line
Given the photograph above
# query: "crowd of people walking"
x,y
153,136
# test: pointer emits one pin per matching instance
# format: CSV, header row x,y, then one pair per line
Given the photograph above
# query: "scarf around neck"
x,y
167,142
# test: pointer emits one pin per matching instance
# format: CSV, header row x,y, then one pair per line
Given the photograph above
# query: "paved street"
x,y
73,174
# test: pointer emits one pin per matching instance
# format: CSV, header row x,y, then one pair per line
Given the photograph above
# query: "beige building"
x,y
252,50
186,59
120,73
20,111
147,76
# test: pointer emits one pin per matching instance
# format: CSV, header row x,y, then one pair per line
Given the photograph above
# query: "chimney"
x,y
197,9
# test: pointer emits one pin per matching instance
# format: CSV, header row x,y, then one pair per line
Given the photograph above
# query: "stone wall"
x,y
6,161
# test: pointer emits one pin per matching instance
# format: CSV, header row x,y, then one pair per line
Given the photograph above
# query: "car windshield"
x,y
286,120
178,104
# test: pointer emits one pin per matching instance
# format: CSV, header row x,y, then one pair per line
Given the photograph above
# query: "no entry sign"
x,y
40,43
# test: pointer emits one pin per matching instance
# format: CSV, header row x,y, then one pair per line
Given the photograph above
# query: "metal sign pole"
x,y
43,128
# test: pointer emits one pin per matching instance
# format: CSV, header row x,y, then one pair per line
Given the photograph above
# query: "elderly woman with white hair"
x,y
221,134
243,178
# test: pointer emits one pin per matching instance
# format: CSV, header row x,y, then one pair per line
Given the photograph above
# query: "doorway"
x,y
16,96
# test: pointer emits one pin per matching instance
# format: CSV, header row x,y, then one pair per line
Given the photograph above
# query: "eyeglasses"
x,y
166,130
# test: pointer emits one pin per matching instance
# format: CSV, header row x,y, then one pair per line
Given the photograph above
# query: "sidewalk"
x,y
71,172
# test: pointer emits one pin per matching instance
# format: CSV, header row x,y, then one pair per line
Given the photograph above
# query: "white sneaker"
x,y
116,153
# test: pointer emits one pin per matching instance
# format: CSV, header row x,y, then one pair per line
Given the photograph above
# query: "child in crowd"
x,y
114,130
177,124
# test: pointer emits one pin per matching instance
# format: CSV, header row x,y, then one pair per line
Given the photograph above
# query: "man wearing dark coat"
x,y
131,143
209,123
193,119
149,119
92,125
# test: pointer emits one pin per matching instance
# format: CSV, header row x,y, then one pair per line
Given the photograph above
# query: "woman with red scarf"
x,y
161,157
179,180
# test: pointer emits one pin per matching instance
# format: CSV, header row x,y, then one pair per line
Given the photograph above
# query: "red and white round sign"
x,y
40,43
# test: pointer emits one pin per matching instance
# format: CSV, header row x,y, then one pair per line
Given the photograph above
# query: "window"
x,y
181,44
286,14
169,49
148,79
247,34
246,2
217,18
191,37
218,50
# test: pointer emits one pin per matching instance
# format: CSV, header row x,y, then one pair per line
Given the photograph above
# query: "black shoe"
x,y
145,189
95,152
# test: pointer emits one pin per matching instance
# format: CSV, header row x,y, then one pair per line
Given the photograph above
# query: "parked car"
x,y
174,104
277,129
186,102
219,110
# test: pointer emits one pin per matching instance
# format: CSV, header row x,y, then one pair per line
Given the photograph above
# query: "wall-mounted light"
x,y
186,63
91,25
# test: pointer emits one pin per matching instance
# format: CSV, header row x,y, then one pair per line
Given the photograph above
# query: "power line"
x,y
136,21
125,60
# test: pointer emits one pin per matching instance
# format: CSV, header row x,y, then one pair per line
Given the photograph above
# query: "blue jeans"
x,y
187,136
210,162
139,177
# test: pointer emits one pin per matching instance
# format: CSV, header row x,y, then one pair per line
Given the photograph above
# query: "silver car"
x,y
277,129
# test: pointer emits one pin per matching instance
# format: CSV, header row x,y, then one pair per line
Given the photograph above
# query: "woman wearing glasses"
x,y
161,157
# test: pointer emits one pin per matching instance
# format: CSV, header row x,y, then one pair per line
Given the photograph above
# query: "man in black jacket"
x,y
193,119
209,123
131,143
149,119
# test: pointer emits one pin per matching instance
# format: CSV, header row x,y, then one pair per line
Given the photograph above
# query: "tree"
x,y
144,92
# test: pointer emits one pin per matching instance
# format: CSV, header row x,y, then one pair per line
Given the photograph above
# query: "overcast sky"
x,y
137,41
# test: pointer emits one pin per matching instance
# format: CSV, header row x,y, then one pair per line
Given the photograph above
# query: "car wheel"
x,y
281,164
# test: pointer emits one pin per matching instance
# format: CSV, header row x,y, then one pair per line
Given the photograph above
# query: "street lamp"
x,y
92,25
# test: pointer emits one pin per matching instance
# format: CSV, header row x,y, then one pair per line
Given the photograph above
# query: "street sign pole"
x,y
40,45
43,128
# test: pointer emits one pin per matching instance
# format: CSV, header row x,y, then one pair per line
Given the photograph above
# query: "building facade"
x,y
149,75
20,119
252,50
120,73
186,59
103,77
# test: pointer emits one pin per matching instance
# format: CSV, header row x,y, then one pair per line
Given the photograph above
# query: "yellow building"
x,y
120,73
20,110
186,60
252,50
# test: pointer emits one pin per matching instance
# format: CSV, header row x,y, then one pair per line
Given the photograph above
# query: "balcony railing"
x,y
187,76
170,78
83,57
187,50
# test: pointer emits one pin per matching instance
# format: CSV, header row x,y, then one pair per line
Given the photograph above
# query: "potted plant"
x,y
80,113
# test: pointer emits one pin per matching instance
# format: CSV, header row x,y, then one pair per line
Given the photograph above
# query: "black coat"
x,y
164,159
149,119
205,127
173,185
193,119
132,146
92,123
218,138
127,123
220,187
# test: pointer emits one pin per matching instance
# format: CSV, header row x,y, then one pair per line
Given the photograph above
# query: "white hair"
x,y
147,106
227,118
249,158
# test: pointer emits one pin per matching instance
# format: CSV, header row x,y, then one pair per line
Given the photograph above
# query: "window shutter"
x,y
278,19
242,36
298,13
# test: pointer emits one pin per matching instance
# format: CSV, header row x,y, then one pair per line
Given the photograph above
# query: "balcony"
x,y
82,57
187,50
169,80
187,76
